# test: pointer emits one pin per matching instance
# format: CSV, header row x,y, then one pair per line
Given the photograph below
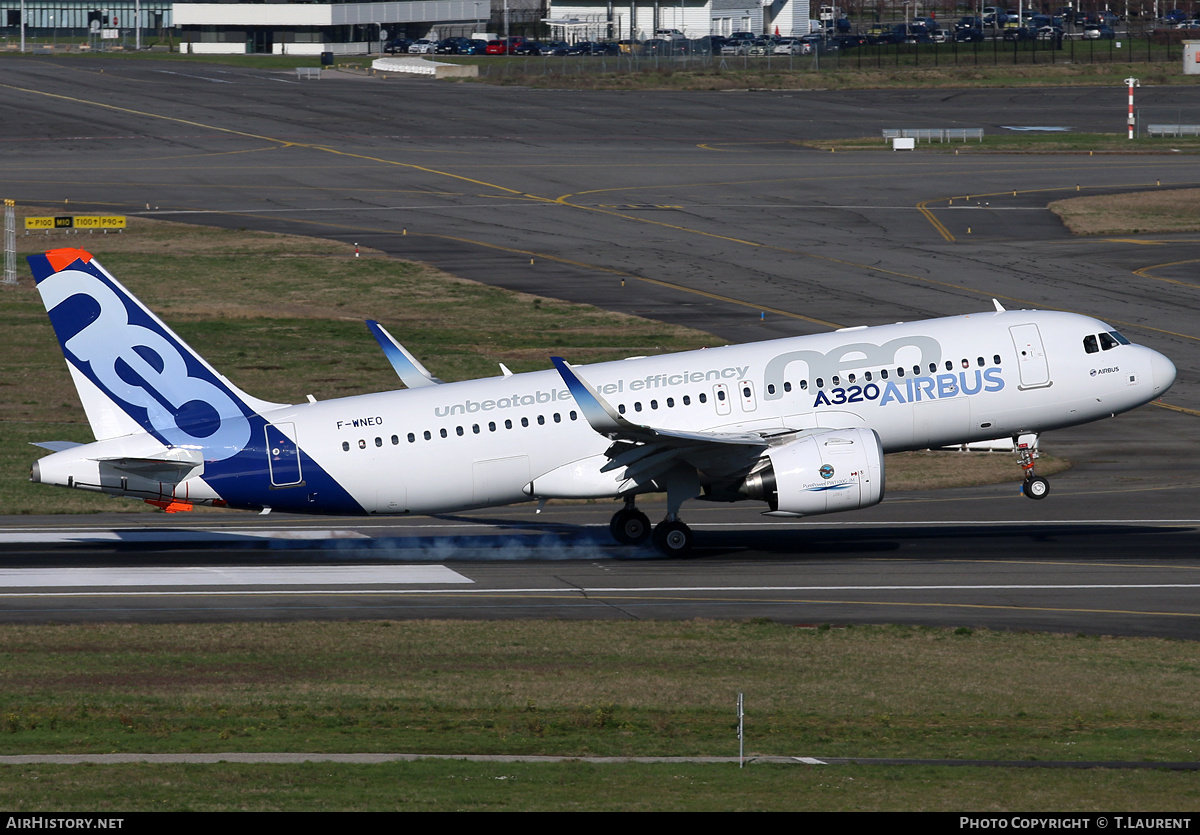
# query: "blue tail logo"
x,y
135,360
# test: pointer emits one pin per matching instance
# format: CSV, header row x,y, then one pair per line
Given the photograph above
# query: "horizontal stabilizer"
x,y
172,467
408,368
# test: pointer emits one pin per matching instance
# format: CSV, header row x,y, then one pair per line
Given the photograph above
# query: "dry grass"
x,y
856,72
936,470
1172,210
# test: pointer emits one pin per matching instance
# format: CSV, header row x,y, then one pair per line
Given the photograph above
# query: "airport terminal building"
x,y
280,28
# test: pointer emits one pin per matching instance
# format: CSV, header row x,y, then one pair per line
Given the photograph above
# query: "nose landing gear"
x,y
1035,486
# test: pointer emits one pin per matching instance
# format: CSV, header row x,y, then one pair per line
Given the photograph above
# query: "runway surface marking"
x,y
232,575
422,573
372,531
1144,272
83,535
1186,411
630,598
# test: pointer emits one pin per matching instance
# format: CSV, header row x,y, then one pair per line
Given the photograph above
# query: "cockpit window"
x,y
1089,344
1119,338
1107,342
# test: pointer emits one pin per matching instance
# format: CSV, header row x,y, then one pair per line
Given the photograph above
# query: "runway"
x,y
952,558
697,208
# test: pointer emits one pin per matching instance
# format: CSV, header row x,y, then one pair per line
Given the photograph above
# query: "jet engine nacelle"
x,y
830,471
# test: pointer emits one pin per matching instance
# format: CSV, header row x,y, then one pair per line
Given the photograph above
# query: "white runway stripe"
x,y
248,575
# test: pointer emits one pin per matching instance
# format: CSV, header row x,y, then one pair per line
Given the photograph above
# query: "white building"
x,y
639,19
284,28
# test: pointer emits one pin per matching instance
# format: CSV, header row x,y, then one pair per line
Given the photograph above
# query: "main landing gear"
x,y
629,526
1034,486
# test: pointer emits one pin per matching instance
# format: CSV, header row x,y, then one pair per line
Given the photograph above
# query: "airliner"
x,y
800,424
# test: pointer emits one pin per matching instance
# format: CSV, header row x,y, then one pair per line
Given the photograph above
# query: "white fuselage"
x,y
918,385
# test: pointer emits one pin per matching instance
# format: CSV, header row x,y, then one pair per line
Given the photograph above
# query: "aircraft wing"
x,y
603,418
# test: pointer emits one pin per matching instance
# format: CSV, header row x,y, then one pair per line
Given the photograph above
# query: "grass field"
x,y
1170,210
593,689
736,75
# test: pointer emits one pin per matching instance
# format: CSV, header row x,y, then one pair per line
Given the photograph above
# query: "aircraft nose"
x,y
1162,372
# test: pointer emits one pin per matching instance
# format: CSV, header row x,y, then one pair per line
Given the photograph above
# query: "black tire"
x,y
629,526
1036,488
673,539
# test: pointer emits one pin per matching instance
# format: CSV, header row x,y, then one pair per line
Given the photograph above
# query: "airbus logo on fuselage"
x,y
915,349
915,389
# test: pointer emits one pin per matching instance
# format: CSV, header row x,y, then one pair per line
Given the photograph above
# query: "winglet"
x,y
408,368
596,411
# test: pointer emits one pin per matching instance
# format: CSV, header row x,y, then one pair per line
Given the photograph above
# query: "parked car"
x,y
453,46
820,44
497,48
1096,31
396,46
1023,33
422,46
968,35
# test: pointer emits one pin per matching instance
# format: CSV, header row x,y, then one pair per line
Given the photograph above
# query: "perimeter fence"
x,y
1126,48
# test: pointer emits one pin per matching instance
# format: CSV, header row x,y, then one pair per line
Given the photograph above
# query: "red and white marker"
x,y
1132,82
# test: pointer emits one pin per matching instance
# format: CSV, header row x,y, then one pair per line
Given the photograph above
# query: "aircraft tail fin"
x,y
132,372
